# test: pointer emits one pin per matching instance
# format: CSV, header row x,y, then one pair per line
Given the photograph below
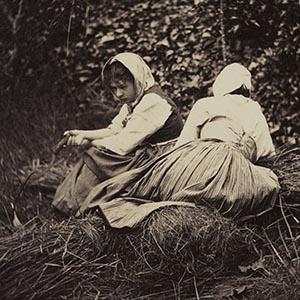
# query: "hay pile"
x,y
175,252
45,177
178,253
286,165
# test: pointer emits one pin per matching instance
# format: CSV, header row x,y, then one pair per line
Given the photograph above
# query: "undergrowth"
x,y
176,254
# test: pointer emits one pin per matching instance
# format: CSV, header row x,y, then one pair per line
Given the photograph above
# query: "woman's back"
x,y
228,118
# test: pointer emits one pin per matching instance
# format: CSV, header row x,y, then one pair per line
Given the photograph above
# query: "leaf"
x,y
197,56
89,31
181,44
227,290
154,24
106,38
170,52
147,59
164,42
83,78
194,81
119,30
174,34
79,44
254,23
235,28
257,265
206,35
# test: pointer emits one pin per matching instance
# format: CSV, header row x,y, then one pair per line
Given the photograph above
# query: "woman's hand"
x,y
73,132
76,138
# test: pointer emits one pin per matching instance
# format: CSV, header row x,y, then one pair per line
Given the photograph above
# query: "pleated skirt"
x,y
211,173
97,166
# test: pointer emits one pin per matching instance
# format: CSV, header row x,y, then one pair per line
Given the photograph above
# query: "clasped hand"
x,y
76,138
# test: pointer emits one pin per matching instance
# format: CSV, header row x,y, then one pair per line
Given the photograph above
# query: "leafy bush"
x,y
64,44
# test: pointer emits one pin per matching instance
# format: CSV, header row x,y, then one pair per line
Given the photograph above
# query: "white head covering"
x,y
231,78
143,78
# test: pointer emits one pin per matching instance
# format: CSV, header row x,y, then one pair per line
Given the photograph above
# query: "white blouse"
x,y
227,118
132,128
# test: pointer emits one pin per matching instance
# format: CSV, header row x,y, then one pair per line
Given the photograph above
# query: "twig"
x,y
66,247
69,28
289,229
223,32
87,19
286,153
196,289
274,249
17,18
283,241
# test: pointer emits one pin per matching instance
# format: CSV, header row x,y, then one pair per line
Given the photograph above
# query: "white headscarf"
x,y
231,78
143,78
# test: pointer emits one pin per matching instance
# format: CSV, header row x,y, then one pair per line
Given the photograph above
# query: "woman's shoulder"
x,y
158,96
253,103
204,102
151,100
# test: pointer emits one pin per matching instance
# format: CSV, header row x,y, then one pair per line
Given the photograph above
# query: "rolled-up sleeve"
x,y
262,136
116,124
148,117
196,118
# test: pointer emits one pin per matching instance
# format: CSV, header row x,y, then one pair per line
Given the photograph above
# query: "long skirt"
x,y
96,166
202,172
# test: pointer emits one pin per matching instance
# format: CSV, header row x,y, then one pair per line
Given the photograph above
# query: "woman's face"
x,y
123,90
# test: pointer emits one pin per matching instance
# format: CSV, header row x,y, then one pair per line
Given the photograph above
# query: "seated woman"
x,y
148,117
212,164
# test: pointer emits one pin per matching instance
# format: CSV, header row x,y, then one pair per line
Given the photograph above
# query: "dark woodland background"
x,y
51,56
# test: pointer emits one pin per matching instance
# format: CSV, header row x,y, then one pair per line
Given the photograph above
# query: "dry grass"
x,y
177,253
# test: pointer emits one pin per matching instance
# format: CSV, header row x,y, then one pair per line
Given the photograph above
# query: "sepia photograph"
x,y
150,150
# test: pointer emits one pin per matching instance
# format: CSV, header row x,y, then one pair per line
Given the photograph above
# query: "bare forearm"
x,y
96,134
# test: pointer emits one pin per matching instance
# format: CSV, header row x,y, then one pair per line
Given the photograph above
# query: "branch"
x,y
69,28
14,23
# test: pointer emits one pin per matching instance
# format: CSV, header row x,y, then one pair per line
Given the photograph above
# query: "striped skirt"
x,y
202,172
99,165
